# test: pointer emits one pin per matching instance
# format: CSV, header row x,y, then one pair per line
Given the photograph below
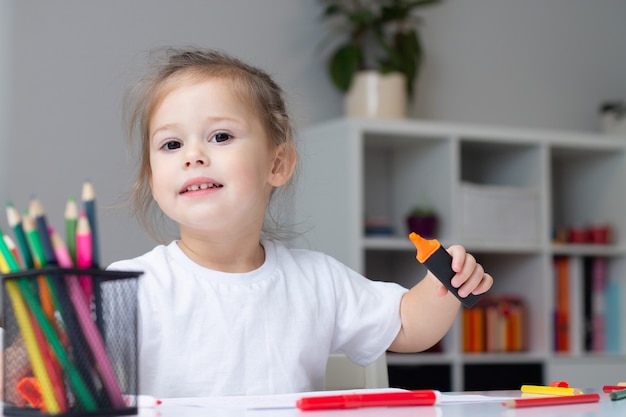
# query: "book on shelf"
x,y
614,293
497,323
598,305
562,304
594,276
599,301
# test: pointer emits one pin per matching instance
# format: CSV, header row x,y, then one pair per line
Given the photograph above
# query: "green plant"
x,y
380,35
421,211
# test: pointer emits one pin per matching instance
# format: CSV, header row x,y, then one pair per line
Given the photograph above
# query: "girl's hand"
x,y
470,276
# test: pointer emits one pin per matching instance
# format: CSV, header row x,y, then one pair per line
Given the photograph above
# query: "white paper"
x,y
289,400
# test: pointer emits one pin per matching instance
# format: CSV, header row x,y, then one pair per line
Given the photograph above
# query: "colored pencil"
x,y
71,219
82,393
33,240
39,215
60,250
552,400
90,331
33,347
15,222
4,266
34,243
52,366
618,395
34,353
73,333
9,259
84,252
547,390
80,388
89,203
84,248
13,248
611,388
88,197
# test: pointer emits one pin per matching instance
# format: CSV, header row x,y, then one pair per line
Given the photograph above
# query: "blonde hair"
x,y
171,66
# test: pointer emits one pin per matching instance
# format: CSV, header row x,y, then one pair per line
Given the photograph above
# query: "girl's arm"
x,y
428,309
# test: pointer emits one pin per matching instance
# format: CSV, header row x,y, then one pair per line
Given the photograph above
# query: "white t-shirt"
x,y
268,331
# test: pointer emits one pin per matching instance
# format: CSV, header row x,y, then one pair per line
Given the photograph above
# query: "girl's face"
x,y
213,166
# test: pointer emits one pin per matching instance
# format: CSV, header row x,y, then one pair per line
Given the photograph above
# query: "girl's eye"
x,y
171,145
220,137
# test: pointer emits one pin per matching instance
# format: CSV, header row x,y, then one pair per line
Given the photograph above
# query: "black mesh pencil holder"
x,y
70,342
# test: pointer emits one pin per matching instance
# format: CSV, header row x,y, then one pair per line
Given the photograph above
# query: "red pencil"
x,y
374,399
556,400
611,388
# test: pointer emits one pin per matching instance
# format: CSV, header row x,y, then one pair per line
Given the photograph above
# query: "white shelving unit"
x,y
352,169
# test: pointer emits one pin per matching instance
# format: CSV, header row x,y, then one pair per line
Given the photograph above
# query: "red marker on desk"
x,y
373,399
439,262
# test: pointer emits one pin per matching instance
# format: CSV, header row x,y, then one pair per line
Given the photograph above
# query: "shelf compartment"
x,y
588,189
501,163
504,376
400,173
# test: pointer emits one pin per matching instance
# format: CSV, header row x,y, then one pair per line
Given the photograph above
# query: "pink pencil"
x,y
92,335
84,252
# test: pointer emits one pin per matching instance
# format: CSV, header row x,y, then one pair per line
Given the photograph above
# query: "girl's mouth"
x,y
203,186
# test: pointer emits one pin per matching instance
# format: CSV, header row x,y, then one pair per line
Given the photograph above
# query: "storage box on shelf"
x,y
501,193
494,213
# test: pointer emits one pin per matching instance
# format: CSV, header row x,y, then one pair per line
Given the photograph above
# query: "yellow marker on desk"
x,y
547,390
439,262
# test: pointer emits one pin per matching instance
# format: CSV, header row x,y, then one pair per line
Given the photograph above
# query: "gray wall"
x,y
66,64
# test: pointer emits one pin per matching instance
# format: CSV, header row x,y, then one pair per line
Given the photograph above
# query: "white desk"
x,y
605,408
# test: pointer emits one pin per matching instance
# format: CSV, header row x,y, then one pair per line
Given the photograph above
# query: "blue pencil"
x,y
89,202
37,213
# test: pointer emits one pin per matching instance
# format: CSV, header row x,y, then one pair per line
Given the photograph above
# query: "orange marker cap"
x,y
29,389
425,247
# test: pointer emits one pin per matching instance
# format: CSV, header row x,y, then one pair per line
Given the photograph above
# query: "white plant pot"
x,y
376,96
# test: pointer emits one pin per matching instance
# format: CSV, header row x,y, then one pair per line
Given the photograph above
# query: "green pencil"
x,y
8,255
32,237
618,395
71,219
80,389
15,222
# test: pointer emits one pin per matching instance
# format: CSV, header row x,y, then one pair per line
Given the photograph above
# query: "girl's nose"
x,y
198,161
195,156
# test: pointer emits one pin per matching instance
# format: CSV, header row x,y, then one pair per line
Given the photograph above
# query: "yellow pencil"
x,y
4,266
8,264
547,390
34,353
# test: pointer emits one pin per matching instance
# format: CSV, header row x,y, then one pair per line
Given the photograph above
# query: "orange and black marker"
x,y
439,262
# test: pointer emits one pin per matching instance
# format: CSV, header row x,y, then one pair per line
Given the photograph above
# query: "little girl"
x,y
224,309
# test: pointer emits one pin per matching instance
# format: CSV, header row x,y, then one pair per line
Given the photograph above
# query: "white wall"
x,y
5,86
528,63
72,61
521,63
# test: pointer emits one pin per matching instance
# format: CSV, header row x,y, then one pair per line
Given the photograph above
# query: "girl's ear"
x,y
283,165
